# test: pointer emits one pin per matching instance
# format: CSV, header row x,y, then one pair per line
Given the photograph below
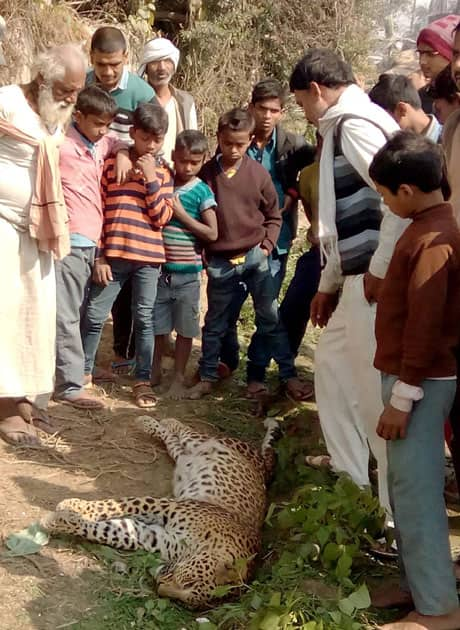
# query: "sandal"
x,y
15,431
124,367
298,390
143,395
258,391
34,416
82,401
318,461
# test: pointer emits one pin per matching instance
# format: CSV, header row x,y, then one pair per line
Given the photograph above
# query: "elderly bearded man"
x,y
33,230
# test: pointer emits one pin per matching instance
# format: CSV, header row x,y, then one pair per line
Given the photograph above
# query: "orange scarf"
x,y
48,213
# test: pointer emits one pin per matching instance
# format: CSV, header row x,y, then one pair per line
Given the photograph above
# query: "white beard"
x,y
53,113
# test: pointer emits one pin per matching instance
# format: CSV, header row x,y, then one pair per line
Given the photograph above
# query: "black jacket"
x,y
293,153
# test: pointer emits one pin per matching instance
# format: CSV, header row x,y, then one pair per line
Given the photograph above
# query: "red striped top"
x,y
134,215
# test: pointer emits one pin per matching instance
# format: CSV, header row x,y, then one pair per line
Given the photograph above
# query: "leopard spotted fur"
x,y
214,519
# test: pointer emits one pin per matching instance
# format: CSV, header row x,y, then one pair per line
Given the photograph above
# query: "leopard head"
x,y
194,580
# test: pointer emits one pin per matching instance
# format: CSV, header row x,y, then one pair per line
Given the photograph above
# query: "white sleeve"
x,y
391,229
331,277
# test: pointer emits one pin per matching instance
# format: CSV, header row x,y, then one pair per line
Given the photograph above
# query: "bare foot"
x,y
34,416
203,388
177,391
15,431
416,621
390,596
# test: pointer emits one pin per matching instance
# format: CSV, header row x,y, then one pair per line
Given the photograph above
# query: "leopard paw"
x,y
148,425
63,521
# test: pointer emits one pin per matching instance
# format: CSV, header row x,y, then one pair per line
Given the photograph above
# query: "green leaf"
x,y
275,600
256,601
270,621
323,535
360,598
331,552
346,607
27,541
270,511
223,591
343,567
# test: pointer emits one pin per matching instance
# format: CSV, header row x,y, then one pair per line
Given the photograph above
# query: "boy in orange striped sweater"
x,y
131,244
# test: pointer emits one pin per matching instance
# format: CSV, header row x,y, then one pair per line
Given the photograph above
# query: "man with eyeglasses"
x,y
434,48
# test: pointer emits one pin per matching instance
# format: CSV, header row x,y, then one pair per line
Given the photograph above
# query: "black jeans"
x,y
123,330
295,307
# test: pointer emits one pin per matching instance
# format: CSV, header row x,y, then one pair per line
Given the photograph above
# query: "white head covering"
x,y
157,49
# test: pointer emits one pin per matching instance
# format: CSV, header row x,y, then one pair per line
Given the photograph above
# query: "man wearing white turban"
x,y
160,59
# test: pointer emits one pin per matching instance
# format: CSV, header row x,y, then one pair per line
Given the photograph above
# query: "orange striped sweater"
x,y
134,215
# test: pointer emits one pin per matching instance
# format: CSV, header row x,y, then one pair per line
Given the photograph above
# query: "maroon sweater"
x,y
247,208
418,312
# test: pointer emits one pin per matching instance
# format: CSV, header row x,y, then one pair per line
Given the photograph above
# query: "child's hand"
x,y
372,287
178,208
123,166
102,273
146,163
393,423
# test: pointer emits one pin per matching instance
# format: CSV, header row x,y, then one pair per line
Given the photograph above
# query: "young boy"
x,y
109,57
131,244
178,298
82,156
283,154
418,311
249,221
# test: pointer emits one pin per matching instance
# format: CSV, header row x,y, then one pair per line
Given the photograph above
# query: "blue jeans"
x,y
416,485
224,285
230,349
144,290
73,277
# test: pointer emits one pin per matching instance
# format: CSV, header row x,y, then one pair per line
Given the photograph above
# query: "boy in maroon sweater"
x,y
417,331
249,221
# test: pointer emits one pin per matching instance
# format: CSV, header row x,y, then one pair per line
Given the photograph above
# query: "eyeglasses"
x,y
428,53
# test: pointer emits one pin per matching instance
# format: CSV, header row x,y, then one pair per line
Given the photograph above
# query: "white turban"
x,y
157,49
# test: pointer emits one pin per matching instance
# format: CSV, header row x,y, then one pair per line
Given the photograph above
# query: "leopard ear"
x,y
226,573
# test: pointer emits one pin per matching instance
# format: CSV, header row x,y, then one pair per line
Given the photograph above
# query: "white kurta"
x,y
27,281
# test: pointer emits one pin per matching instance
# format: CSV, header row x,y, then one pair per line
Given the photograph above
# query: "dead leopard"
x,y
215,517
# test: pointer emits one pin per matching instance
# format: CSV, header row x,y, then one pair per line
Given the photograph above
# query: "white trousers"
x,y
349,391
27,317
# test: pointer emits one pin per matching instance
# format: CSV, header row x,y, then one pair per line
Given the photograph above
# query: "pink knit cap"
x,y
439,35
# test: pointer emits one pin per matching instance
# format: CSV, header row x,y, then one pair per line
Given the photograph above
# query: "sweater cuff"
x,y
404,395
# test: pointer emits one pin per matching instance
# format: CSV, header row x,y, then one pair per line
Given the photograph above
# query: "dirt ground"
x,y
93,456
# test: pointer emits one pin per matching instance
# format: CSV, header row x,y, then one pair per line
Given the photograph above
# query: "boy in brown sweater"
x,y
417,330
249,221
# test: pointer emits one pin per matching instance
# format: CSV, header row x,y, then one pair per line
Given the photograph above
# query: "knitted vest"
x,y
358,211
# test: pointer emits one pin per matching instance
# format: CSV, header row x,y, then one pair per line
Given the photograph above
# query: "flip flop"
x,y
302,393
80,401
257,393
143,395
25,434
35,416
